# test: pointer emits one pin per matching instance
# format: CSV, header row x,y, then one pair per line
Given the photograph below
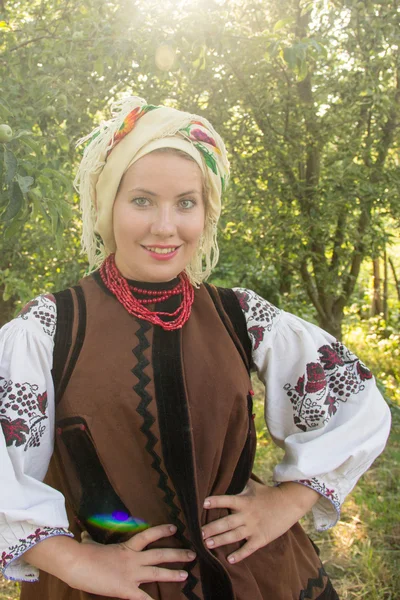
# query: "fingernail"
x,y
172,528
191,555
182,574
231,559
210,542
206,503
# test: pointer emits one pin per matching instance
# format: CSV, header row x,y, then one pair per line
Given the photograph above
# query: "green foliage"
x,y
304,94
377,343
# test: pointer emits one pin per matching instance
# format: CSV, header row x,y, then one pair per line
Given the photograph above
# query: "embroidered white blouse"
x,y
322,407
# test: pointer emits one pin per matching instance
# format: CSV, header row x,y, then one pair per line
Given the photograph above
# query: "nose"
x,y
164,224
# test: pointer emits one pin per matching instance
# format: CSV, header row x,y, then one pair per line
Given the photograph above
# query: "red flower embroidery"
x,y
4,558
258,334
331,402
243,298
201,136
363,372
36,537
42,402
14,431
316,379
299,387
329,357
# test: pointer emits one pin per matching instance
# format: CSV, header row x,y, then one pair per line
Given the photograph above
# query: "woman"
x,y
151,401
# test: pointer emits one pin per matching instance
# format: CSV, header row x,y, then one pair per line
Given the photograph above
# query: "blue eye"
x,y
141,201
187,203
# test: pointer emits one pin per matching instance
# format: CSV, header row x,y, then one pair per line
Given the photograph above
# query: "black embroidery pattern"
x,y
337,375
29,408
44,310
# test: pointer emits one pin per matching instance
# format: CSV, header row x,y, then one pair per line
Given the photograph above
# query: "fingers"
x,y
154,573
232,502
235,535
221,525
243,552
144,538
167,555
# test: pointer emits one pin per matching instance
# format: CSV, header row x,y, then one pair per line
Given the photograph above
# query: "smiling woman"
x,y
158,221
141,374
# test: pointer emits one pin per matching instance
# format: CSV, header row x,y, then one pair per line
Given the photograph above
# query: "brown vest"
x,y
150,424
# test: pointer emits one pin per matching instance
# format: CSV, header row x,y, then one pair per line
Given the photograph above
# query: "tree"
x,y
306,95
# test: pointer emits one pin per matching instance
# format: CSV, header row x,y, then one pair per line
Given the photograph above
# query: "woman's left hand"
x,y
259,515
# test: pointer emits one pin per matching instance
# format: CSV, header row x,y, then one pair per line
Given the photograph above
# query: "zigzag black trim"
x,y
148,421
312,583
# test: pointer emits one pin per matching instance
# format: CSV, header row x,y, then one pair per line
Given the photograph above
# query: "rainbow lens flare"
x,y
118,521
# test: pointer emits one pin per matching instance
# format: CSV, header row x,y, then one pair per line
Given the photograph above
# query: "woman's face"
x,y
158,217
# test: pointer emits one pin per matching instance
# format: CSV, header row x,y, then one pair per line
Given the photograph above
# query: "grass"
x,y
362,552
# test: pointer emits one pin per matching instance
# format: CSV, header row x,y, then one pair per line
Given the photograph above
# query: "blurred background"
x,y
306,96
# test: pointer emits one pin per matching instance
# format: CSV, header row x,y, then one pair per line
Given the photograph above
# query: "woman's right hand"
x,y
113,570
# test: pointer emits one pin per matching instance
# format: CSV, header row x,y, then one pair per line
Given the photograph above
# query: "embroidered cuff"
x,y
326,511
12,564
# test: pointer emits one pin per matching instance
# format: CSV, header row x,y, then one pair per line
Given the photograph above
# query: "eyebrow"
x,y
144,191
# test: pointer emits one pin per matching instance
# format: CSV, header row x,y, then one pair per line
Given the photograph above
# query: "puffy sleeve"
x,y
322,404
30,511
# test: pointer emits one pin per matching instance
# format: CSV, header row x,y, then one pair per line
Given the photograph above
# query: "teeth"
x,y
161,250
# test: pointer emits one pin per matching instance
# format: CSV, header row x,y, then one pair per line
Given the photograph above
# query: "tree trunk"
x,y
332,325
395,278
376,307
385,287
7,308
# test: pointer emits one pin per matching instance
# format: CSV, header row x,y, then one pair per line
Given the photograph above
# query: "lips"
x,y
161,253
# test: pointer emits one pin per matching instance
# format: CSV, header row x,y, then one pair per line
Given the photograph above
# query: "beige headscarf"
x,y
136,129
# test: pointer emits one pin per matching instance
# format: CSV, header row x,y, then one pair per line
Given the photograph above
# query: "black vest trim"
x,y
148,421
63,338
178,455
231,306
328,594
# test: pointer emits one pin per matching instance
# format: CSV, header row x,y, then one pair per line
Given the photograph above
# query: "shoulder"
x,y
261,316
41,314
39,317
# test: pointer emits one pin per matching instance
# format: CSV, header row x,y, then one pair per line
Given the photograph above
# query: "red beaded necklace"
x,y
118,285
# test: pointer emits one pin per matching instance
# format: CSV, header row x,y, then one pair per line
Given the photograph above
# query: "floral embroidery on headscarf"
x,y
130,122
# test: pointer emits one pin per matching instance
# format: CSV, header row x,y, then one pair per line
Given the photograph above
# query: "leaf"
x,y
15,204
282,23
302,70
14,431
290,57
63,141
208,158
10,163
12,228
32,144
5,107
25,183
42,402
